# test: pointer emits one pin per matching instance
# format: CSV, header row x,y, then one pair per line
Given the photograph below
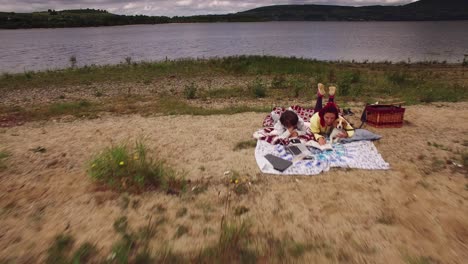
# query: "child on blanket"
x,y
288,125
321,123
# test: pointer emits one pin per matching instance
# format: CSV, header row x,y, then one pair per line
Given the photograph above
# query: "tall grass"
x,y
359,80
132,170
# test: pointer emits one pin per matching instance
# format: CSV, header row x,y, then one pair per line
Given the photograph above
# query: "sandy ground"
x,y
418,209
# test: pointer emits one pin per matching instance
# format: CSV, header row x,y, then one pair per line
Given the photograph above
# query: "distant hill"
x,y
421,10
429,10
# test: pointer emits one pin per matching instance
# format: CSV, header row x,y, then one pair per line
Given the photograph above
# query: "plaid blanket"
x,y
265,133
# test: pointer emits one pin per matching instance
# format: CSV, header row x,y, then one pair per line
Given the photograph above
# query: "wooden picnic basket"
x,y
383,115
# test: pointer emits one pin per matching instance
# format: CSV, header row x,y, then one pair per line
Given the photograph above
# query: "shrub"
x,y
132,170
398,78
190,91
279,82
258,88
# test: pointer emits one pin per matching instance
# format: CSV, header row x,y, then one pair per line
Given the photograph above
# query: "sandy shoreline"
x,y
416,209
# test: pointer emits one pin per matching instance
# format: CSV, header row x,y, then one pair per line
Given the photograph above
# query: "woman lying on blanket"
x,y
289,125
321,123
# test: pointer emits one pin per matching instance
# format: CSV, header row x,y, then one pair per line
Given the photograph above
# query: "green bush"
x,y
190,91
132,170
279,82
258,88
398,78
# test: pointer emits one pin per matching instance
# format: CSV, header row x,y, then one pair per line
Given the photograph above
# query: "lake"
x,y
39,49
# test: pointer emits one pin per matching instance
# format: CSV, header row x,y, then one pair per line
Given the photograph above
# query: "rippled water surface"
x,y
40,49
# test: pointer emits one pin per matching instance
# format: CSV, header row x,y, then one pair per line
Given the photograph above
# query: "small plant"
x,y
69,108
398,78
128,60
59,252
258,88
190,91
73,61
120,225
279,82
132,170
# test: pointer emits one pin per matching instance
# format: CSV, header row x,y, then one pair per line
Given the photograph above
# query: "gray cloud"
x,y
173,7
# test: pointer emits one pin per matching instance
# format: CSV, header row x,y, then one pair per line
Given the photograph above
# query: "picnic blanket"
x,y
357,154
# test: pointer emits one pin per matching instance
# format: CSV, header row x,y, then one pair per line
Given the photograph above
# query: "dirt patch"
x,y
417,209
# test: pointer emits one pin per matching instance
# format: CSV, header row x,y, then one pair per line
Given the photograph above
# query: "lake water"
x,y
40,49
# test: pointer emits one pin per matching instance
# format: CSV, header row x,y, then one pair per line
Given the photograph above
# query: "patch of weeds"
x,y
3,156
180,231
245,144
74,108
181,212
398,78
232,246
241,188
279,82
124,202
240,210
257,88
387,217
190,91
133,246
84,253
120,225
60,252
131,170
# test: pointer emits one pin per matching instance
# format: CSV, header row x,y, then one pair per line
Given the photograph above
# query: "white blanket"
x,y
358,155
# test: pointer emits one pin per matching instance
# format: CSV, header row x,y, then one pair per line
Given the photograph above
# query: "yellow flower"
x,y
237,181
121,163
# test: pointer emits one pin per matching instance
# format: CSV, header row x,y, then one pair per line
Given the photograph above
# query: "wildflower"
x,y
237,181
121,163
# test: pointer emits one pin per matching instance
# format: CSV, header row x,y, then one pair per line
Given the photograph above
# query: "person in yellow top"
x,y
321,123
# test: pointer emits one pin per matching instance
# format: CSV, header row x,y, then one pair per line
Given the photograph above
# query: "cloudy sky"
x,y
173,7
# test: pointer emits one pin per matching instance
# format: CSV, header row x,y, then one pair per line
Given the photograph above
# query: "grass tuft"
x,y
131,170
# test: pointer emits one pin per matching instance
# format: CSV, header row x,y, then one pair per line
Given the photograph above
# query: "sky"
x,y
173,7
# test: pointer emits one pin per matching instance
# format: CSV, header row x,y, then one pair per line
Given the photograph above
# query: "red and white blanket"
x,y
266,132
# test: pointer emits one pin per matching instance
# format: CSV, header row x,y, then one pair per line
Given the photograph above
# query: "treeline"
x,y
417,11
74,18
